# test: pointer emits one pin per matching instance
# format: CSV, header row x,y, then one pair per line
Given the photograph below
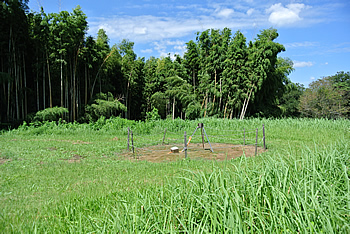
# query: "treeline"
x,y
47,61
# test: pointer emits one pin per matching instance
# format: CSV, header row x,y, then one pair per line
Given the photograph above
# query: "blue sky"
x,y
316,33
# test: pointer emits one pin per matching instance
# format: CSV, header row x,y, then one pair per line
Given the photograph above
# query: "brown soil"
x,y
75,158
161,153
4,160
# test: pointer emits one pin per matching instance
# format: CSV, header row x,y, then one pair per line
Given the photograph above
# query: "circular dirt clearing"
x,y
161,153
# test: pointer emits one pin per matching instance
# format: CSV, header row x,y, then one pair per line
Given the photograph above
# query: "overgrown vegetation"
x,y
70,177
51,114
327,98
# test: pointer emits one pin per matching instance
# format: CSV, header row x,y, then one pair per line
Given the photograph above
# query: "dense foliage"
x,y
328,97
47,60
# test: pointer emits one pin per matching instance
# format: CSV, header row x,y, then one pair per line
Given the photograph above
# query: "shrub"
x,y
50,114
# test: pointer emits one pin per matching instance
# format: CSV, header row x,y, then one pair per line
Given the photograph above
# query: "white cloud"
x,y
250,11
140,30
282,16
177,47
148,28
147,51
224,13
312,78
302,64
301,44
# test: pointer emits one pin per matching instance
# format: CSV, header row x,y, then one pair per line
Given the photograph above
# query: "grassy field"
x,y
73,178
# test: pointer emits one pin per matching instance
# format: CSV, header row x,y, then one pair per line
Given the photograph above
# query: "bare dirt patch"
x,y
74,159
161,153
4,160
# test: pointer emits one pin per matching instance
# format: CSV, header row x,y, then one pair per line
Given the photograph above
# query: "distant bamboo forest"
x,y
50,68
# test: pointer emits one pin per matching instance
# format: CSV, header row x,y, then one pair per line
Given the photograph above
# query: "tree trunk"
x,y
37,85
44,88
220,95
61,82
66,85
49,76
8,100
127,100
9,82
206,104
245,105
214,89
74,92
21,83
16,82
228,98
25,88
86,85
173,107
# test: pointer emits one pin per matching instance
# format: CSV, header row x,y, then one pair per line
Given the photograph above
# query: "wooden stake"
x,y
132,142
185,144
256,143
264,137
128,138
164,136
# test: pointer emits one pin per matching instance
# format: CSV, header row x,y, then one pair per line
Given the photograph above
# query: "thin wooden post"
x,y
211,148
201,126
185,144
256,143
132,142
244,136
164,136
128,138
264,137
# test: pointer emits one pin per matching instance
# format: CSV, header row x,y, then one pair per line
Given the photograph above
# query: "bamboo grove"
x,y
49,61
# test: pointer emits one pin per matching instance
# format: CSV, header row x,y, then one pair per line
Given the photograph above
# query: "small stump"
x,y
174,149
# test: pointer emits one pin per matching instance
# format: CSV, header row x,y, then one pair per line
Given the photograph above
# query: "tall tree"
x,y
191,61
235,74
324,99
128,69
262,58
13,44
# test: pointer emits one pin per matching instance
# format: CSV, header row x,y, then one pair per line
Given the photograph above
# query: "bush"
x,y
152,115
104,105
50,114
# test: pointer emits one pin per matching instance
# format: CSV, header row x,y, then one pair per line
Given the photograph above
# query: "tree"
x,y
130,71
219,75
341,82
235,75
289,102
191,59
13,48
262,59
325,99
267,102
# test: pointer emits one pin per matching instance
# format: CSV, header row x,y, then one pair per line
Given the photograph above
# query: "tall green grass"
x,y
300,185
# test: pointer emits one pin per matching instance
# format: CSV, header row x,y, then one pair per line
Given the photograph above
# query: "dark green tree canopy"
x,y
48,60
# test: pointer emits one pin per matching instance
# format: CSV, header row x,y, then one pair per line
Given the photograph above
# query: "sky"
x,y
315,33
